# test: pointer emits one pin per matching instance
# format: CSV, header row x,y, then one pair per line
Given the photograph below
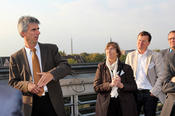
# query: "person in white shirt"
x,y
148,72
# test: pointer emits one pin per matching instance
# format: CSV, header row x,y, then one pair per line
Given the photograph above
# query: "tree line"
x,y
87,57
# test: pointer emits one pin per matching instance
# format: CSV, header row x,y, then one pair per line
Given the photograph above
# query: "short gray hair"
x,y
24,21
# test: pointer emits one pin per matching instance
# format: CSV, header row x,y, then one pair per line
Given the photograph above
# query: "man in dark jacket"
x,y
169,85
36,70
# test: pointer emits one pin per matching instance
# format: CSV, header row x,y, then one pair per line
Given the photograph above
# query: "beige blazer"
x,y
154,71
20,76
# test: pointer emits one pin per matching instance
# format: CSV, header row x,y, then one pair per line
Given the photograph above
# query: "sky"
x,y
90,23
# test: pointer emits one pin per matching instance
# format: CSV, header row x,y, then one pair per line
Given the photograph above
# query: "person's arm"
x,y
127,60
61,69
159,71
128,80
100,85
15,78
169,84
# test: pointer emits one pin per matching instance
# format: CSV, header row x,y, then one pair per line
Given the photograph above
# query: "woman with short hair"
x,y
115,85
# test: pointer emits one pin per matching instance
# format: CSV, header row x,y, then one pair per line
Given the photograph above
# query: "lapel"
x,y
107,73
120,67
135,57
43,58
148,60
26,63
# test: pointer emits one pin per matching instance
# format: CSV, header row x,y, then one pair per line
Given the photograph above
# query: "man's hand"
x,y
46,77
33,88
173,79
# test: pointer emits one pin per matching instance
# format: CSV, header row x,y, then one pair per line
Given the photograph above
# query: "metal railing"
x,y
79,96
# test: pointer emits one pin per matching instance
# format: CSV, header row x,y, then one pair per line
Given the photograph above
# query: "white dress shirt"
x,y
141,79
29,57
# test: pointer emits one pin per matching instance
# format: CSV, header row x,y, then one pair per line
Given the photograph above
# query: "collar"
x,y
170,50
107,62
144,54
29,51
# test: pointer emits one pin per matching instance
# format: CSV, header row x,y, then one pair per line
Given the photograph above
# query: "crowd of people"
x,y
123,89
147,77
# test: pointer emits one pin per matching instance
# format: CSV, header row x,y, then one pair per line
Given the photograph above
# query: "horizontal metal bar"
x,y
88,114
86,102
69,104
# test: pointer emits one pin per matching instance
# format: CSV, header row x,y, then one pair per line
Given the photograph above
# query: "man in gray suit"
x,y
148,72
52,67
169,85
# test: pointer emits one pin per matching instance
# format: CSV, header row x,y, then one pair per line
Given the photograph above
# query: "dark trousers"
x,y
114,108
173,110
42,106
149,103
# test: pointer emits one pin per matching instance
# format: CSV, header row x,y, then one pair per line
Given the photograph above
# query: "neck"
x,y
141,51
173,48
111,61
30,46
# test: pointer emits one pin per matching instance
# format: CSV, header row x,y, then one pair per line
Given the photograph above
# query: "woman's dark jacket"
x,y
126,94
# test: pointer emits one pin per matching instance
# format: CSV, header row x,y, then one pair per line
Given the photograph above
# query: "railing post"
x,y
76,111
72,107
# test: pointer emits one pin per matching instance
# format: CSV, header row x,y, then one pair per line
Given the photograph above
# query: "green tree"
x,y
72,61
62,53
123,58
95,57
157,50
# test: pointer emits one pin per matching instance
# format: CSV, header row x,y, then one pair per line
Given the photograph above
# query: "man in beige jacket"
x,y
148,70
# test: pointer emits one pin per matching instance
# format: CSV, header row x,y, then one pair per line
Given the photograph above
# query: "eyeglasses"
x,y
171,38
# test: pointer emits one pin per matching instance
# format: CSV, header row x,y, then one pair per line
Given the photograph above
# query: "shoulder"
x,y
101,64
48,45
152,53
156,54
101,67
18,53
164,50
131,53
126,67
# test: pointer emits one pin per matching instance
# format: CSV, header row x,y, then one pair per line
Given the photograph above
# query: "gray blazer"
x,y
20,76
168,86
153,69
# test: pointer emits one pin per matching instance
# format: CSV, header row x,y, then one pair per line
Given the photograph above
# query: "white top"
x,y
141,79
29,57
113,72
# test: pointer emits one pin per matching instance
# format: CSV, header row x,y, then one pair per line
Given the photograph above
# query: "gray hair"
x,y
23,23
